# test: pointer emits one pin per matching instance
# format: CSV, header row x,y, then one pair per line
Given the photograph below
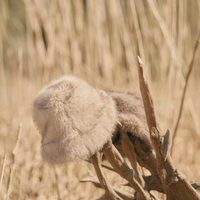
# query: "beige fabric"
x,y
74,119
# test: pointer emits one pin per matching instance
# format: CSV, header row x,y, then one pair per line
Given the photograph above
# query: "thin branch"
x,y
152,182
96,161
147,98
93,179
123,169
174,183
184,92
105,166
129,151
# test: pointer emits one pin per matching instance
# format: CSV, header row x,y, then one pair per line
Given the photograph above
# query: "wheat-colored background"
x,y
97,40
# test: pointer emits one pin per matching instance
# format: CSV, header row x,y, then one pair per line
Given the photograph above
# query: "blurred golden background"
x,y
97,40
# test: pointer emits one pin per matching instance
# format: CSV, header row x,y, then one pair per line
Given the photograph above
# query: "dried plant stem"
x,y
152,182
2,169
13,161
96,161
17,141
164,29
57,181
174,183
138,32
123,169
110,168
184,91
20,184
93,179
20,71
3,88
147,98
129,151
176,59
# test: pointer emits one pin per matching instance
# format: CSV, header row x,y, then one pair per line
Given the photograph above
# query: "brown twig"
x,y
93,179
123,169
147,98
151,182
129,151
184,92
174,183
96,161
105,166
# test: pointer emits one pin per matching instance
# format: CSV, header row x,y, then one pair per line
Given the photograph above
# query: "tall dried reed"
x,y
97,41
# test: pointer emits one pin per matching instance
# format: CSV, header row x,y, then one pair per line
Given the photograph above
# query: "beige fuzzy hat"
x,y
74,119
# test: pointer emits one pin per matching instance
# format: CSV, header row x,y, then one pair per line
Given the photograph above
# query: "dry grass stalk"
x,y
13,162
176,59
138,32
174,183
2,169
164,29
2,70
184,91
85,38
20,73
57,181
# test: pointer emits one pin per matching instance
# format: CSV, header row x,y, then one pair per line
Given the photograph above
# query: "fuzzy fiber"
x,y
131,115
74,119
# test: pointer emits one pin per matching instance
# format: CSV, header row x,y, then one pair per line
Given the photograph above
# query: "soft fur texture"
x,y
74,119
131,115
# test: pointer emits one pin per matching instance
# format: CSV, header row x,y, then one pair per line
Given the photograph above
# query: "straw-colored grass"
x,y
98,41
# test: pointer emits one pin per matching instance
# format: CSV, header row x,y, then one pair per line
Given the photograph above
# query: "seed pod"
x,y
74,119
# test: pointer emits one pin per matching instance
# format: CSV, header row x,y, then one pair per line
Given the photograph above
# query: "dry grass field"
x,y
98,41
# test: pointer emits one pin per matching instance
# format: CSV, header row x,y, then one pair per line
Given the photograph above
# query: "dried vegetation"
x,y
97,41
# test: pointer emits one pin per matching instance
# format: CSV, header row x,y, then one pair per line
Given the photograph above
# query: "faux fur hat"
x,y
74,119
